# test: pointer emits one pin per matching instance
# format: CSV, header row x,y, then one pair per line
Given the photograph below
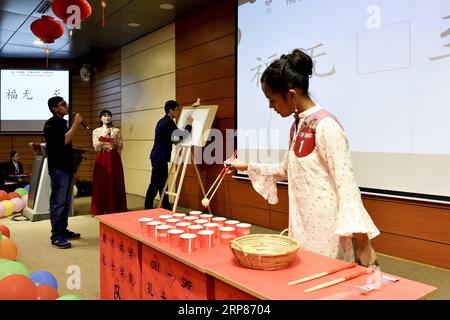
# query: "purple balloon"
x,y
44,278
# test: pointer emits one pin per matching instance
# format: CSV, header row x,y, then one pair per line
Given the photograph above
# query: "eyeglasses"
x,y
64,104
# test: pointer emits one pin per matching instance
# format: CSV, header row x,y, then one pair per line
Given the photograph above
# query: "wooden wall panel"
x,y
412,220
205,68
105,87
429,252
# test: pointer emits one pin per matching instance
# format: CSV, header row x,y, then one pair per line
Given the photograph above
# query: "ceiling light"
x,y
38,42
166,6
134,24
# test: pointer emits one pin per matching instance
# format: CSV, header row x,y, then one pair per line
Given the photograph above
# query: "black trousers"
x,y
160,172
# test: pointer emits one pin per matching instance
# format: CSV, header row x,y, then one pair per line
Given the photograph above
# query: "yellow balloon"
x,y
9,207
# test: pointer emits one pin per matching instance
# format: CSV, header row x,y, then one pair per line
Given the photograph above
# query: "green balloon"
x,y
21,191
2,261
12,267
70,297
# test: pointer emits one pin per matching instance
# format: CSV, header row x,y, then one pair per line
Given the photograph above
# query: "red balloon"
x,y
8,249
47,29
5,231
59,8
44,292
3,195
12,195
17,287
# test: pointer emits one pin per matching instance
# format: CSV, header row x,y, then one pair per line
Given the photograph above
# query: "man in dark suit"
x,y
166,133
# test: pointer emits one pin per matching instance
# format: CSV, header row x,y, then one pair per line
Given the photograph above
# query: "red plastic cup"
x,y
151,228
213,227
206,216
201,222
143,223
195,228
183,225
174,237
164,217
190,219
179,215
161,232
227,234
243,229
172,222
219,220
187,242
231,223
195,213
206,238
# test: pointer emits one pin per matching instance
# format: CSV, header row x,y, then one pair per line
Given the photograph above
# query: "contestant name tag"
x,y
305,142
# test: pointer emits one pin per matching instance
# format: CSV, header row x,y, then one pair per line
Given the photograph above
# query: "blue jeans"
x,y
61,184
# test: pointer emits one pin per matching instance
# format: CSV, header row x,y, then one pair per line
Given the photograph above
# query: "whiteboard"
x,y
203,118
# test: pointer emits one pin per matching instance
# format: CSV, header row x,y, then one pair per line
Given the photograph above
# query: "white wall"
x,y
148,81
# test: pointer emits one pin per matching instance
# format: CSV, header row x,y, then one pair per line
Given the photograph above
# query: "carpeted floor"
x,y
36,253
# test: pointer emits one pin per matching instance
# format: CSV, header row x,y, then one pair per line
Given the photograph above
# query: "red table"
x,y
136,266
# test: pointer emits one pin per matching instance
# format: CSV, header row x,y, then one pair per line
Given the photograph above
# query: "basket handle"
x,y
240,248
238,245
287,229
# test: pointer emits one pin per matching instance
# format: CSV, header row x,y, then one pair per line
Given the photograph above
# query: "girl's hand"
x,y
236,164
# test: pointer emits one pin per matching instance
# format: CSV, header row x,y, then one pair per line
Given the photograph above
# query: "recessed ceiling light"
x,y
134,24
166,6
38,42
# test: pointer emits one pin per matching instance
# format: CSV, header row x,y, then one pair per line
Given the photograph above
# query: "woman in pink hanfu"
x,y
108,184
326,213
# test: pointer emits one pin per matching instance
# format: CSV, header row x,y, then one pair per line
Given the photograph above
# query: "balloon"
x,y
21,191
3,195
8,249
27,187
5,231
44,278
17,287
9,207
12,195
12,267
2,261
75,191
69,297
2,210
25,200
18,204
44,292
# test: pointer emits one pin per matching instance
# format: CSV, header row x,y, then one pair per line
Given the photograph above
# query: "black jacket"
x,y
162,148
11,170
60,156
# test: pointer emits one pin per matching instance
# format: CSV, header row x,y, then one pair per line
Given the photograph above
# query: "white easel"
x,y
183,154
203,119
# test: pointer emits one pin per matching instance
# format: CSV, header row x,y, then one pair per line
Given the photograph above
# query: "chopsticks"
x,y
343,279
215,185
323,274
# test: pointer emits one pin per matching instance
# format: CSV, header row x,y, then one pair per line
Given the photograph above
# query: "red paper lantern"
x,y
47,29
59,8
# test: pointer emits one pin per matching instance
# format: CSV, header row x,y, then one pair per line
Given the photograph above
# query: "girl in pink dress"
x,y
326,212
108,186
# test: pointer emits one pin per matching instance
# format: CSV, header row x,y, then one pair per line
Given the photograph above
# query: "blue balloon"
x,y
27,187
43,278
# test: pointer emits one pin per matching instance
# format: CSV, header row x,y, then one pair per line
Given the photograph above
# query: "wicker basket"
x,y
265,251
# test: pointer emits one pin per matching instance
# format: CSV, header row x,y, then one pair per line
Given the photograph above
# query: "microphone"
x,y
82,122
85,125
